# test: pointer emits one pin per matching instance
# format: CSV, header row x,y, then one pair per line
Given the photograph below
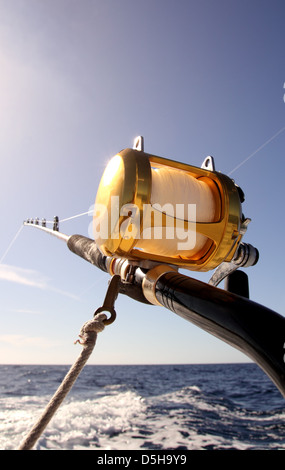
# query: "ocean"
x,y
145,407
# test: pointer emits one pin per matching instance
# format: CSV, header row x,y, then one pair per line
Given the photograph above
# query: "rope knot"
x,y
90,329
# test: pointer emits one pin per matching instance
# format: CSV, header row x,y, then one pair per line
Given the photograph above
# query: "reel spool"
x,y
150,208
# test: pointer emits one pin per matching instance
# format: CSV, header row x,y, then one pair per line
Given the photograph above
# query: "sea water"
x,y
143,407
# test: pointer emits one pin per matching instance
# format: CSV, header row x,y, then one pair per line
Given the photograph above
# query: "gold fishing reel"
x,y
150,208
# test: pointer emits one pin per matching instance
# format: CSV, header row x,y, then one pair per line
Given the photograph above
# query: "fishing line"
x,y
87,289
72,217
257,150
78,215
48,221
11,244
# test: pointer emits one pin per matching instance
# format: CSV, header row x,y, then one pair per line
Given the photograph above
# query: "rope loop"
x,y
89,330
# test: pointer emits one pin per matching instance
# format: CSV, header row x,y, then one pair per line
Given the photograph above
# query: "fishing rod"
x,y
144,233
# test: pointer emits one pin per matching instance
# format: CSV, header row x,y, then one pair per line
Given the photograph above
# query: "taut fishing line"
x,y
11,244
257,150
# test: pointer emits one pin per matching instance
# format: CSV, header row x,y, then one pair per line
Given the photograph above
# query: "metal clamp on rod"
x,y
150,280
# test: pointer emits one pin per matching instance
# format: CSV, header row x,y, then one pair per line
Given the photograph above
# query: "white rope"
x,y
88,335
257,150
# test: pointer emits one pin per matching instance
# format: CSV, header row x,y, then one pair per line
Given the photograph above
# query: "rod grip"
x,y
87,249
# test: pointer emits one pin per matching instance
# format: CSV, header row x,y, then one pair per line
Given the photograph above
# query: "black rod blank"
x,y
250,327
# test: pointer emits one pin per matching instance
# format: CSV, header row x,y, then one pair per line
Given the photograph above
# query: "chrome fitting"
x,y
151,278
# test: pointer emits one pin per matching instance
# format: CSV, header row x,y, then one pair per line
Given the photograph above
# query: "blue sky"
x,y
78,82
